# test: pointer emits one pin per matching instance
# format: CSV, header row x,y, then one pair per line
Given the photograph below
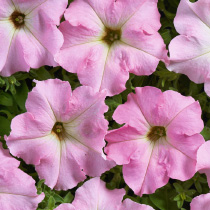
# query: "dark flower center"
x,y
18,19
112,36
58,129
155,133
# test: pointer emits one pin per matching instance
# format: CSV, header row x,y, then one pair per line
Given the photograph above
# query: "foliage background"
x,y
176,194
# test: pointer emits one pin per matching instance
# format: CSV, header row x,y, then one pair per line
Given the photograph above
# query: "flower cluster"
x,y
64,133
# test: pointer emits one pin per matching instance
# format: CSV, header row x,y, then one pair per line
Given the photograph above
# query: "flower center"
x,y
155,133
58,129
112,36
18,19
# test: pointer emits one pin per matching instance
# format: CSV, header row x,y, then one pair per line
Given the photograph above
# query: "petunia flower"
x,y
28,34
201,202
203,160
17,189
62,133
159,140
104,40
94,195
190,51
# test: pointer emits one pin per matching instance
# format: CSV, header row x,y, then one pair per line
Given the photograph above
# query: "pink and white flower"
x,y
28,34
159,140
17,189
62,133
94,195
190,51
201,202
104,40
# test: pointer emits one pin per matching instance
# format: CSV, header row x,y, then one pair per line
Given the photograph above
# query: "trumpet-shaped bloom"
x,y
159,140
62,133
17,189
201,202
104,40
203,159
94,195
28,34
190,51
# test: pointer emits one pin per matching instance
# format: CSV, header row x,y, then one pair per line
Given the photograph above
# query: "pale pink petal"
x,y
188,121
68,165
143,56
132,114
188,20
53,8
181,164
147,169
201,9
90,161
91,59
40,43
188,59
160,108
6,9
94,195
129,204
13,58
189,52
43,152
51,96
119,61
200,202
203,163
183,143
34,26
65,206
141,32
7,162
13,202
122,143
87,122
81,14
51,106
17,189
28,126
115,13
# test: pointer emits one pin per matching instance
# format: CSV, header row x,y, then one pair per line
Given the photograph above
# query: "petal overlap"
x,y
62,133
159,141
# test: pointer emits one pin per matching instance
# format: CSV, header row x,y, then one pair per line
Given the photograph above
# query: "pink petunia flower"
x,y
159,140
17,189
104,40
62,133
190,51
94,195
203,160
28,34
201,202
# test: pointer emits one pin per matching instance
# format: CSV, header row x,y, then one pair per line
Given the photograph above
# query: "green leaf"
x,y
68,198
178,187
161,198
6,99
206,133
21,95
51,203
180,204
4,126
58,198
